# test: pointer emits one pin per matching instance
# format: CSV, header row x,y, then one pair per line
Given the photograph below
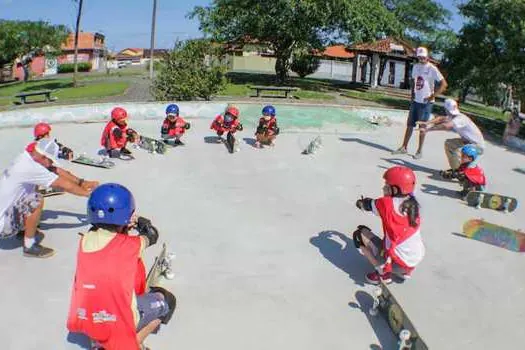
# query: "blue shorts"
x,y
151,307
419,112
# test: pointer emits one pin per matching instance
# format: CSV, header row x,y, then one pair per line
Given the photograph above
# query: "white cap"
x,y
421,52
452,106
48,148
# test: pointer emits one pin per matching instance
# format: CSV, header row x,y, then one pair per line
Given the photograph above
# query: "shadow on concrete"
x,y
79,339
10,243
366,143
340,251
519,170
434,173
249,141
439,191
384,334
55,214
211,139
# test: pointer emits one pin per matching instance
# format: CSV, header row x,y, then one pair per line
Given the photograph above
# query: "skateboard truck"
x,y
374,310
506,205
166,264
480,200
404,340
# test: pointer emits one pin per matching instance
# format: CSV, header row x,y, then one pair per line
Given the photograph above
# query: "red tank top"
x,y
102,293
396,227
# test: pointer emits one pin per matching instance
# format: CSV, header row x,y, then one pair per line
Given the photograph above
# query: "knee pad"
x,y
170,299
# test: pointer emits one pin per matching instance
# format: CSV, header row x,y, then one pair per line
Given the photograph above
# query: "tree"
x,y
18,38
491,49
425,22
288,25
304,63
77,27
192,69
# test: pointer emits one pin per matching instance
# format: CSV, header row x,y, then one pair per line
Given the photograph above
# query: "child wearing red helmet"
x,y
42,131
401,246
116,134
229,122
174,126
267,130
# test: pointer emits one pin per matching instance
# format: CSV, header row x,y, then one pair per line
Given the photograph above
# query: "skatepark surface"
x,y
263,244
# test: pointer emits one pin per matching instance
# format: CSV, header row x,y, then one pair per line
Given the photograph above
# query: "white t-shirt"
x,y
21,178
425,77
468,130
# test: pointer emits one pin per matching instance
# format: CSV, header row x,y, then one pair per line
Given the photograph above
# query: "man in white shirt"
x,y
424,77
456,121
21,204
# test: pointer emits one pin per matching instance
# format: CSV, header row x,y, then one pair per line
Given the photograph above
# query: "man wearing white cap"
x,y
424,77
20,203
455,120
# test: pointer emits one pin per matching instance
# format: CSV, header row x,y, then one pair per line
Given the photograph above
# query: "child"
x,y
229,122
116,134
43,130
110,302
174,126
401,245
267,129
469,173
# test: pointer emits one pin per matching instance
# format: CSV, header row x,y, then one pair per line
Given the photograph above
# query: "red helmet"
x,y
119,114
233,111
402,177
41,129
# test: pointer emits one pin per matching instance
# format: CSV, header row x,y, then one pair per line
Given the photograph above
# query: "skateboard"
x,y
102,163
49,192
161,267
491,201
230,142
313,146
499,236
152,145
397,319
379,120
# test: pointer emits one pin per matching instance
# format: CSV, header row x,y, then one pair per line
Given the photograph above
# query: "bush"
x,y
304,64
70,67
192,69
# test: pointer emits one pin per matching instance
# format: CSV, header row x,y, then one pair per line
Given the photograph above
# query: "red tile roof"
x,y
388,45
338,51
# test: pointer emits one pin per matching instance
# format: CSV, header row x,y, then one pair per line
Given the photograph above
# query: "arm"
x,y
70,186
87,185
412,89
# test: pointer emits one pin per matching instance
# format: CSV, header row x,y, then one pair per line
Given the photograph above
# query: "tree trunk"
x,y
282,64
463,94
79,14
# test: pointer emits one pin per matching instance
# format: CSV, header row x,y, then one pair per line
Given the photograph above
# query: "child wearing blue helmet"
x,y
469,173
174,126
109,302
267,130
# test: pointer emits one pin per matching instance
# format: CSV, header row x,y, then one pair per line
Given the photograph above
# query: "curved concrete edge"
x,y
99,112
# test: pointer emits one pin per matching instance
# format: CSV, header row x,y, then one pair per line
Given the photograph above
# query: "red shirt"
x,y
175,127
220,124
109,139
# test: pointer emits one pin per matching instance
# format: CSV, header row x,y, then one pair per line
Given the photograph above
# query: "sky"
x,y
127,23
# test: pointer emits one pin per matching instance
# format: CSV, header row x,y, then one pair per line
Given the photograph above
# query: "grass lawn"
x,y
88,90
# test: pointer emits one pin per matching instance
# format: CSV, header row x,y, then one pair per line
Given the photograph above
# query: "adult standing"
x,y
424,77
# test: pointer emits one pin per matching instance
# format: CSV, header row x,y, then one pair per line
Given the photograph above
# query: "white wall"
x,y
399,73
337,70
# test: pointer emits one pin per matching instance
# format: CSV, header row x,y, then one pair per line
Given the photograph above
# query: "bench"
x,y
285,89
23,95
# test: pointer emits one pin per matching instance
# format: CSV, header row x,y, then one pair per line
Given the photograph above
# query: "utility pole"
x,y
152,39
76,43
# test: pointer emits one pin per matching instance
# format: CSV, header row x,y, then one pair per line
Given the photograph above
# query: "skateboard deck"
x,y
313,145
499,236
49,192
102,163
161,267
152,145
491,201
397,319
230,142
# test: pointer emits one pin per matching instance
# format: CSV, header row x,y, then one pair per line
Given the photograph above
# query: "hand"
x,y
89,185
429,98
359,204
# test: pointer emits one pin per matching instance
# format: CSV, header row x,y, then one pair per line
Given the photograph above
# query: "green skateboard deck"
x,y
152,145
103,163
496,235
161,268
387,305
491,201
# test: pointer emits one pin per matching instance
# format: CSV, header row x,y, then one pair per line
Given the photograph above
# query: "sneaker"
x,y
38,251
125,151
39,236
257,145
400,150
418,155
178,143
375,277
220,139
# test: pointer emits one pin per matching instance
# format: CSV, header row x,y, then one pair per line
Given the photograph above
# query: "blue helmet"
x,y
470,151
269,110
111,204
172,109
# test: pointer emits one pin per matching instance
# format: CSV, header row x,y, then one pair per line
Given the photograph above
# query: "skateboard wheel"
x,y
169,274
404,335
378,292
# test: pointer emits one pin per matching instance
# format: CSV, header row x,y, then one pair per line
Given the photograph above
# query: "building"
x,y
336,63
91,48
130,55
